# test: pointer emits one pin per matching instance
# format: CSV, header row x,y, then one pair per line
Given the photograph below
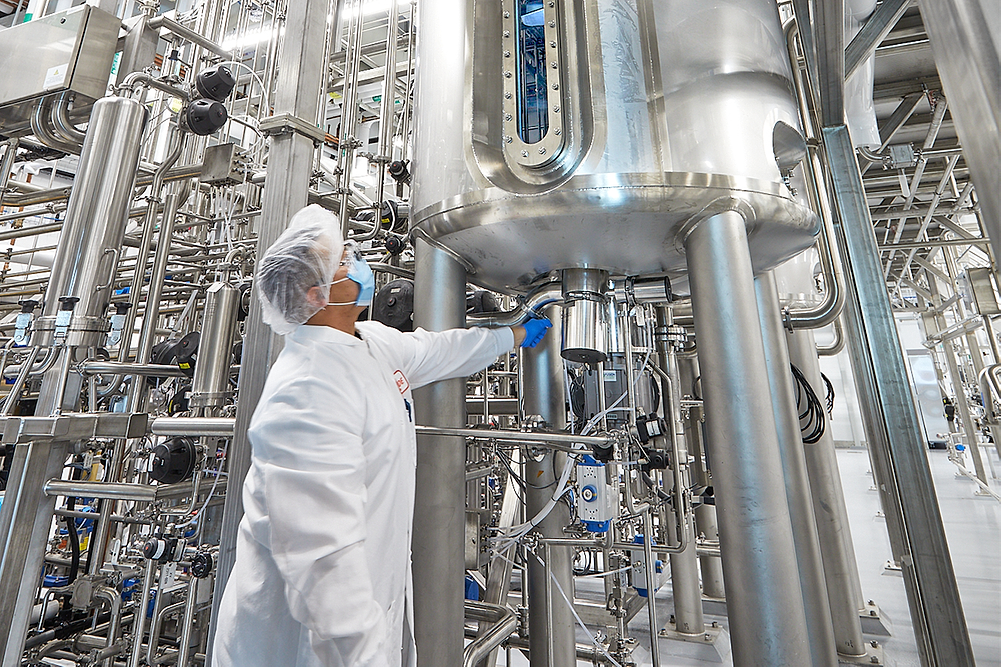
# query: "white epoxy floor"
x,y
973,528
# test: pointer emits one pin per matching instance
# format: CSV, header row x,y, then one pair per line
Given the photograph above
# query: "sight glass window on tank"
x,y
533,125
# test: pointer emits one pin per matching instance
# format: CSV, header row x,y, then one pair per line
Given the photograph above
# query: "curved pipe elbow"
x,y
532,307
61,120
821,316
837,345
40,119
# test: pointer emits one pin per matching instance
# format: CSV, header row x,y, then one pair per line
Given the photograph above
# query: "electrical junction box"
x,y
71,51
902,155
223,164
640,578
596,505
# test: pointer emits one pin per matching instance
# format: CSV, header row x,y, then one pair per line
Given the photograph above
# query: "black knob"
x,y
399,171
173,460
28,305
215,83
201,564
395,244
205,116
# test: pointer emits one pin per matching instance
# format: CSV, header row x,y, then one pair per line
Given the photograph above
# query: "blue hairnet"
x,y
306,255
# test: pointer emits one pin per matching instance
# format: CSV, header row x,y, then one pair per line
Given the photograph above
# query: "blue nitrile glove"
x,y
535,331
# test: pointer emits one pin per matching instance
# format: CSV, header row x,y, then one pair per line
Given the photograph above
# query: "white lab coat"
x,y
322,572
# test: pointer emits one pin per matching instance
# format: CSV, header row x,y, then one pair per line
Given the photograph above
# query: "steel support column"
x,y
440,504
797,483
840,569
286,189
765,609
551,637
898,445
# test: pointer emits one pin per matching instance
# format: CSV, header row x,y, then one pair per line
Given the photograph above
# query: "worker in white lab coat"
x,y
322,572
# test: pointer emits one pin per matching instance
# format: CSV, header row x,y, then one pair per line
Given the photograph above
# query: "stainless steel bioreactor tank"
x,y
594,135
601,138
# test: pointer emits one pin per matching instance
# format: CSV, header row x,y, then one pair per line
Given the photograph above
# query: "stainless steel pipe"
x,y
550,620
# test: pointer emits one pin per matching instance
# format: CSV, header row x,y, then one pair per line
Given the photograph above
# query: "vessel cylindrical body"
x,y
210,386
96,215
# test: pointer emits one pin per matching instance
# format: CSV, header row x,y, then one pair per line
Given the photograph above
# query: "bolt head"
x,y
542,151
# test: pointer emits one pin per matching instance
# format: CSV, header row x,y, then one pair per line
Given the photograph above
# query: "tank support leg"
x,y
765,609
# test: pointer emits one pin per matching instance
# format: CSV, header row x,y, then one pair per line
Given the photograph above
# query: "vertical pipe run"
x,y
685,586
551,635
92,233
840,569
706,525
766,612
797,484
439,505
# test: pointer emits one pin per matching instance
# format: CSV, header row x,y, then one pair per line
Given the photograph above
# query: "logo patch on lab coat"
x,y
401,381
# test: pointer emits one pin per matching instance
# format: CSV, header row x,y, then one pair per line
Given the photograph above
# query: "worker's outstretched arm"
x,y
314,477
429,356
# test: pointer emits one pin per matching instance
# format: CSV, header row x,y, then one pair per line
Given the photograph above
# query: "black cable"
x,y
512,476
655,487
812,411
74,541
830,393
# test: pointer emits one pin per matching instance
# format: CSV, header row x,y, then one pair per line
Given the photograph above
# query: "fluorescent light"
x,y
249,38
369,7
